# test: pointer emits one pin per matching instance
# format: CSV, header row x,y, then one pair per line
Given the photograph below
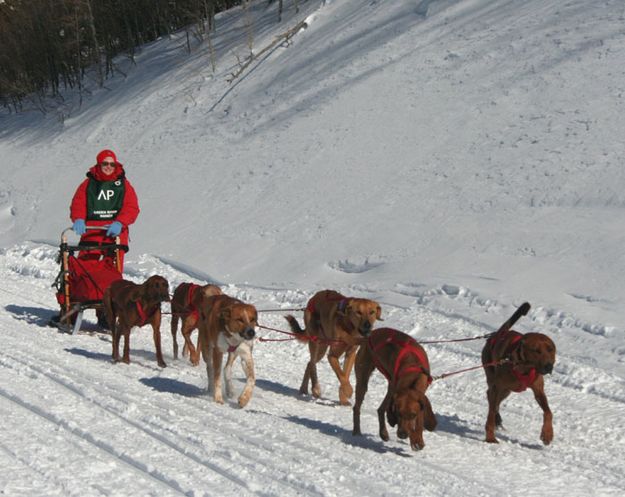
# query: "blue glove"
x,y
79,227
114,229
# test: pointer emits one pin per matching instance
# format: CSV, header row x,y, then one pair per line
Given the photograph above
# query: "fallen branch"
x,y
282,38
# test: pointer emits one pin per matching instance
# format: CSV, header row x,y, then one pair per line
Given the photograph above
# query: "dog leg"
x,y
228,374
498,420
348,365
116,339
494,399
112,319
126,356
546,434
156,335
382,412
217,360
187,329
429,418
314,378
195,360
345,389
416,436
316,353
116,335
174,331
207,354
303,389
364,368
247,361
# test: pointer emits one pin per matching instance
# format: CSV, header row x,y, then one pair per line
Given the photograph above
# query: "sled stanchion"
x,y
65,267
118,259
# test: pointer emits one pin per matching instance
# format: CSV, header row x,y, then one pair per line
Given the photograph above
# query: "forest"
x,y
50,45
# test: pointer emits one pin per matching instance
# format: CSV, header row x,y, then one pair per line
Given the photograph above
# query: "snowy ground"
x,y
76,424
449,158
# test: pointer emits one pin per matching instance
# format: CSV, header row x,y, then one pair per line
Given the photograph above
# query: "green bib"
x,y
104,199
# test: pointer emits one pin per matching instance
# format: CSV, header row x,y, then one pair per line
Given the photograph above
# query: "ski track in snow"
x,y
101,428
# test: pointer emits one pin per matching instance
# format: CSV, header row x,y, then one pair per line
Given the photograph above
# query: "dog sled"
x,y
87,269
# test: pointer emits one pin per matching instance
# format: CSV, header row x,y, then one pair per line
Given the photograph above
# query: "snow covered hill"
x,y
449,158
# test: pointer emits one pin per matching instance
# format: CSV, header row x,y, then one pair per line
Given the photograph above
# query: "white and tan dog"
x,y
227,325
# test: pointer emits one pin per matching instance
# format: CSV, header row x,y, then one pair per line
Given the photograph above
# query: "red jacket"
x,y
126,215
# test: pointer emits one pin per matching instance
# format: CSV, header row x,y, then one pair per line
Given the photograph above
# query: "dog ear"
x,y
225,314
378,314
518,352
391,415
346,309
429,419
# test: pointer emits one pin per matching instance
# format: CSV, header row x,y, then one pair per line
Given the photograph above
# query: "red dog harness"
x,y
193,311
144,316
407,346
525,380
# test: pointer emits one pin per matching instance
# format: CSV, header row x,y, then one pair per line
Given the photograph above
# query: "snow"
x,y
449,158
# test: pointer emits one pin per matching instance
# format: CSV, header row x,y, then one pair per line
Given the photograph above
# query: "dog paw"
x,y
492,440
546,437
384,435
346,390
417,444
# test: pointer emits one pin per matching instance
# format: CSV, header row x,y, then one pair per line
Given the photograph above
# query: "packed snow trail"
x,y
77,424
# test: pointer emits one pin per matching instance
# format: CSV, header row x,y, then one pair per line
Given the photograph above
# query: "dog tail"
x,y
295,327
521,311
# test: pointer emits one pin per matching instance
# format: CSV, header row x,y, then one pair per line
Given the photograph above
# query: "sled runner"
x,y
87,269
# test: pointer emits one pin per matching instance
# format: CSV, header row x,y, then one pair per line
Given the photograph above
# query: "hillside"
x,y
450,159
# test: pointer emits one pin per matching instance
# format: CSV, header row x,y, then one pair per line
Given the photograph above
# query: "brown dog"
x,y
405,365
227,325
514,362
185,305
336,322
127,304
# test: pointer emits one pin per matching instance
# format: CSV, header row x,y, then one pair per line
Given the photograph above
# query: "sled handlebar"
x,y
64,232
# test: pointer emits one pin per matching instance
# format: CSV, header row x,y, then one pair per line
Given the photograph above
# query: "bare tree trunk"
x,y
96,46
78,56
249,25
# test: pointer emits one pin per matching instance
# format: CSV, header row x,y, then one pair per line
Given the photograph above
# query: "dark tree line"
x,y
48,45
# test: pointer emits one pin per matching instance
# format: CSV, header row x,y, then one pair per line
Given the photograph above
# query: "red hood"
x,y
96,172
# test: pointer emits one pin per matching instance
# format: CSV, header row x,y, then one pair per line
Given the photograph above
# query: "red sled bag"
x,y
89,278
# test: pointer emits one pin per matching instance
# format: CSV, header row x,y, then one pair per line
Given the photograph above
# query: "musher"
x,y
105,198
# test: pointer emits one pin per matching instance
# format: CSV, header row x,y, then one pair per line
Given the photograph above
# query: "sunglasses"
x,y
112,164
